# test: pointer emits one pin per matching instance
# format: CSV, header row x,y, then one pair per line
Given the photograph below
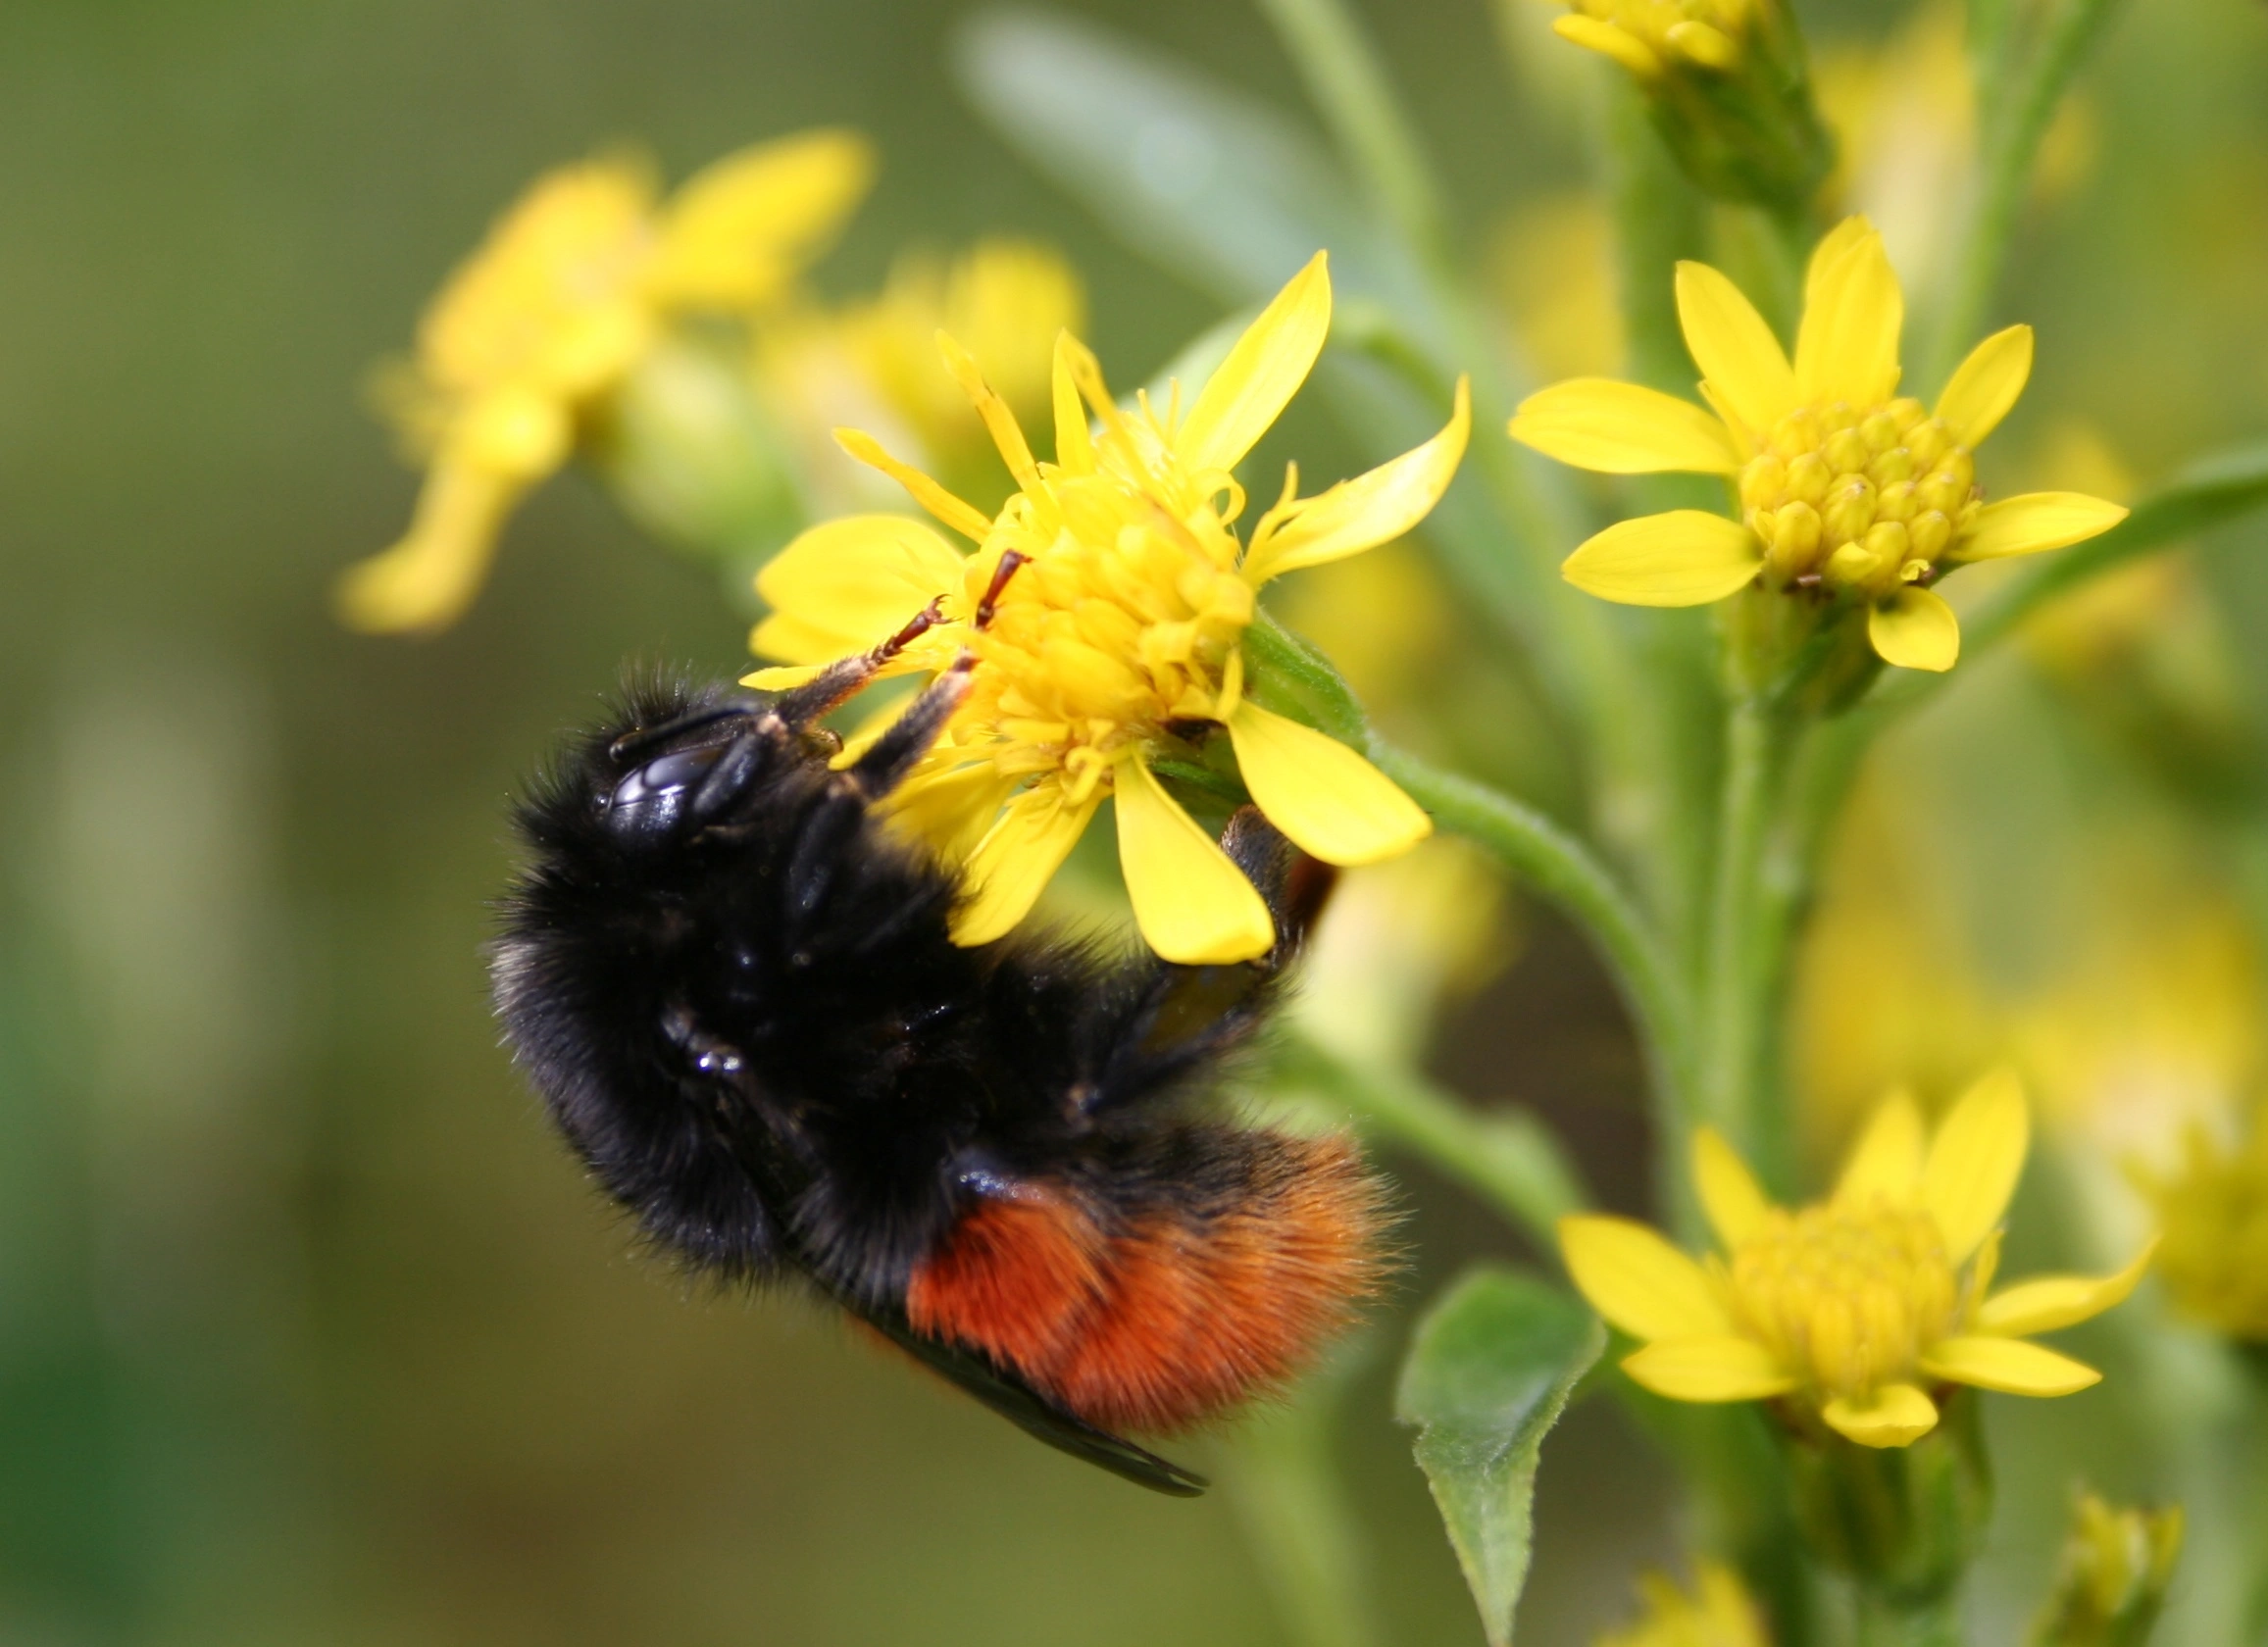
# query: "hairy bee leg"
x,y
885,767
1294,885
828,689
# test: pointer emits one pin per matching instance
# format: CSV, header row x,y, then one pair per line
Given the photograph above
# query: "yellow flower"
x,y
1718,1612
872,364
1119,638
1857,1308
2117,1565
1648,36
568,290
1848,493
2214,1211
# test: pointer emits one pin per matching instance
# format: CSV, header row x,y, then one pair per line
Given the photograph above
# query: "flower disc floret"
x,y
1848,492
1646,36
1860,1311
1118,638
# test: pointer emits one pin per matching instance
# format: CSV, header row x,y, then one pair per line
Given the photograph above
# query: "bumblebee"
x,y
735,990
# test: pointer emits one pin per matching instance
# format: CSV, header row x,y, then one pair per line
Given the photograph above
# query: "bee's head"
x,y
685,765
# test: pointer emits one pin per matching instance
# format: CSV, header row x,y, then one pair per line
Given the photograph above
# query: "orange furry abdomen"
x,y
1170,1313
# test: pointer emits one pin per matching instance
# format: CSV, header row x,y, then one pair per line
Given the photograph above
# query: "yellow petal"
x,y
1730,1194
1327,799
1974,1161
1686,557
1263,372
2007,1365
1013,864
1710,47
1895,1416
1622,429
2049,1301
1364,512
1734,347
2034,522
424,582
1915,630
964,517
738,230
1639,1281
1074,439
1986,385
1886,1163
999,422
951,809
1605,39
1724,1368
1191,902
1847,346
841,587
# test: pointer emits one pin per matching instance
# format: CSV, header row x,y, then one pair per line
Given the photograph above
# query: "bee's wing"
x,y
1034,1413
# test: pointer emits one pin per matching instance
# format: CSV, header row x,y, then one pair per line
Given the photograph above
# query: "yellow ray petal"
x,y
1191,902
1730,1194
1847,346
1710,47
783,677
1886,1165
1074,439
1915,630
1639,1281
999,422
2007,1365
424,582
1013,864
738,230
1986,385
1605,39
2049,1301
1364,512
2034,522
1330,802
841,587
964,517
1263,372
1686,557
1734,347
950,809
1895,1416
1974,1161
1719,1368
1622,429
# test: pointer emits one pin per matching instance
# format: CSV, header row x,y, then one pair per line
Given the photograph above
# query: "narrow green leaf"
x,y
1203,178
1488,1377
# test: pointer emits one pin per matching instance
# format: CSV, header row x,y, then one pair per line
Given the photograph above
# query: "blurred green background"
x,y
309,1332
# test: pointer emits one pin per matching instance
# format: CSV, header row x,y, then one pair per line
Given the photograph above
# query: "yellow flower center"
x,y
1125,619
1860,499
1846,1297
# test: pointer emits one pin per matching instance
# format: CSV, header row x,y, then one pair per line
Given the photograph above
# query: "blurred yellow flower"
x,y
1717,1613
2116,1567
1120,636
872,364
2214,1211
570,287
1855,1309
1847,493
1647,36
1552,267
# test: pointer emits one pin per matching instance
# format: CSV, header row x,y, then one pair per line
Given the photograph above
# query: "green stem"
x,y
1507,1156
1658,221
1733,1031
2013,128
1341,69
1885,1624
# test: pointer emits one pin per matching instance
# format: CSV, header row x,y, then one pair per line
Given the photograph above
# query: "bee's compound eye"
x,y
652,798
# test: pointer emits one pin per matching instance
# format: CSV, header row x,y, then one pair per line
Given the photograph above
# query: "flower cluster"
x,y
570,289
1849,494
1858,1312
1118,640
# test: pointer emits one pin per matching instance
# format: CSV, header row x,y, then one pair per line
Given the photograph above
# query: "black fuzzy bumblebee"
x,y
739,996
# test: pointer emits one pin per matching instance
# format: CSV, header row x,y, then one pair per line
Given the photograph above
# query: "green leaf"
x,y
1210,183
1489,1375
